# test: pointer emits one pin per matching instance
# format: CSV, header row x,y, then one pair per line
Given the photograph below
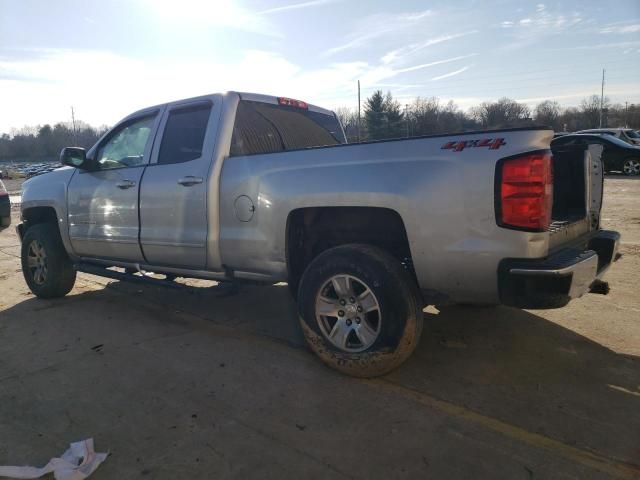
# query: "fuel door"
x,y
244,208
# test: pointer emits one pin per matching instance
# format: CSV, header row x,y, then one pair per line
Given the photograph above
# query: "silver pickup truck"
x,y
243,187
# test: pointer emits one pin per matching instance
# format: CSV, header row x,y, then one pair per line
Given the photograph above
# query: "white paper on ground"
x,y
77,463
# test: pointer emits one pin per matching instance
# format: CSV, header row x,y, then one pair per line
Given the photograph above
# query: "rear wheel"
x,y
46,267
360,310
631,166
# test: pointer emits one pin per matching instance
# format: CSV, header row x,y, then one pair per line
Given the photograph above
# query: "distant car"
x,y
5,207
626,134
617,154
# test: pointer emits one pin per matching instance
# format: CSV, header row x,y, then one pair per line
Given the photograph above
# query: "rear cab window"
x,y
268,128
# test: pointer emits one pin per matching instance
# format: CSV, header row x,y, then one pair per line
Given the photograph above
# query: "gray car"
x,y
625,134
243,187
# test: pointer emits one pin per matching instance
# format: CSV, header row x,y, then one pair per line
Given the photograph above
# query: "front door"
x,y
103,202
173,194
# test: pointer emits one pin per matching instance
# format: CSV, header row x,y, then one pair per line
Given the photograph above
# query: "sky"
x,y
109,58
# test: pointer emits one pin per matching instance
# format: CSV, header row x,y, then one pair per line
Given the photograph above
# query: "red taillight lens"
x,y
526,191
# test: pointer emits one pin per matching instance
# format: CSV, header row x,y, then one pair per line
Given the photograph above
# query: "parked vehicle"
x,y
225,187
625,134
616,156
5,207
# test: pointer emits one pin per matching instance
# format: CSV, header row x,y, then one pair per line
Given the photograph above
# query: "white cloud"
x,y
432,64
451,74
598,46
401,53
296,6
542,22
376,26
621,29
52,80
218,13
616,93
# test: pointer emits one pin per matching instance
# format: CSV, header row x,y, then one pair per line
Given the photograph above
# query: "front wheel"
x,y
360,310
46,266
631,166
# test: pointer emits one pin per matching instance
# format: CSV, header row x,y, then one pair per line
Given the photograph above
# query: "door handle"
x,y
124,184
189,181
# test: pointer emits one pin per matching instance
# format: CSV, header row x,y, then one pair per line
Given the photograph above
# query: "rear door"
x,y
173,194
103,202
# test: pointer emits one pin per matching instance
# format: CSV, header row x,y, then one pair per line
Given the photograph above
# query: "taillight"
x,y
290,102
525,191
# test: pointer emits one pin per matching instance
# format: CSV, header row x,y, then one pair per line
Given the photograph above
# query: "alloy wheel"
x,y
37,262
348,313
631,166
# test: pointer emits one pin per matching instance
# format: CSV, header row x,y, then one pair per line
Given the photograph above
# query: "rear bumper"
x,y
5,211
554,281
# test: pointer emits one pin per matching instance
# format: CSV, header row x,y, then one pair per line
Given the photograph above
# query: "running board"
x,y
223,289
126,277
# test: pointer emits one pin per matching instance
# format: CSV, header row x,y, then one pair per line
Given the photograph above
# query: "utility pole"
x,y
73,122
406,117
602,98
359,111
626,111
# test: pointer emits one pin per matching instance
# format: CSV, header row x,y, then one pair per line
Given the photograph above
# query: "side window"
x,y
125,146
184,134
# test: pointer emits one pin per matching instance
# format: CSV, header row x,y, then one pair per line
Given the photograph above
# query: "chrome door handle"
x,y
189,181
124,184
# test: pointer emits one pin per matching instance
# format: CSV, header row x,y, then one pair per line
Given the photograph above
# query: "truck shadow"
x,y
504,363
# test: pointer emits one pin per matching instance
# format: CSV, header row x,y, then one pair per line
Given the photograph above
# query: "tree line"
x,y
384,116
44,142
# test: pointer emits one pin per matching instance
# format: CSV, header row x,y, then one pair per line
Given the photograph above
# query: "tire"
x,y
46,267
631,166
367,341
292,286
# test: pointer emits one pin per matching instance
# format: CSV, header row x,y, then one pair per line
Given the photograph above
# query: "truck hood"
x,y
63,174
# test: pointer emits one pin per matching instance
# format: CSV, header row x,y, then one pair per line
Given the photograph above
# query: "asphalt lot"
x,y
192,384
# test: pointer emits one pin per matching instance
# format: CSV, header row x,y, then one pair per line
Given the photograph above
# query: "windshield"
x,y
617,141
632,134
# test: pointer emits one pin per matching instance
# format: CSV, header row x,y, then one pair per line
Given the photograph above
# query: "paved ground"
x,y
192,385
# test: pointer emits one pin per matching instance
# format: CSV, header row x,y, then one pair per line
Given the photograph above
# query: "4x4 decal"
x,y
459,145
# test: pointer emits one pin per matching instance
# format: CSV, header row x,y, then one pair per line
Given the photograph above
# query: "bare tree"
x,y
548,113
423,115
590,110
501,114
348,118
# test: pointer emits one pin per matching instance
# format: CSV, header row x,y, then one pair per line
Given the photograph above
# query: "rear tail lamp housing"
x,y
524,191
291,102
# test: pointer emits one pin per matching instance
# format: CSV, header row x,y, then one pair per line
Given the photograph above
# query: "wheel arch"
x,y
312,230
39,214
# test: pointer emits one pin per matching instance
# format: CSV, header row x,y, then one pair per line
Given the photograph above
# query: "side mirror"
x,y
74,157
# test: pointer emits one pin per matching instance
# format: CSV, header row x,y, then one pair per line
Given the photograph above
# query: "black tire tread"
x,y
61,276
370,363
